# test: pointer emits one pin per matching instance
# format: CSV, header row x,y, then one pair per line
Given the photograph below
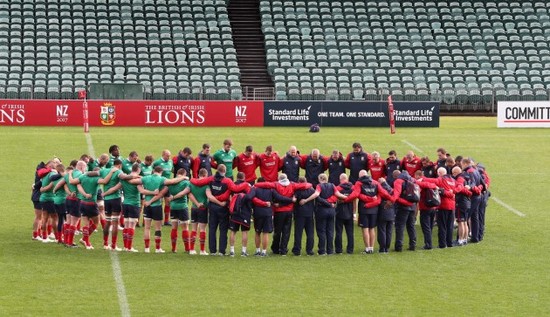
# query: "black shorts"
x,y
367,220
113,206
88,209
60,209
153,212
48,206
263,224
37,205
73,207
199,215
131,211
99,194
235,226
461,215
179,214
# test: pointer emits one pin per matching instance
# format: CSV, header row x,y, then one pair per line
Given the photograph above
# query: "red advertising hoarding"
x,y
137,113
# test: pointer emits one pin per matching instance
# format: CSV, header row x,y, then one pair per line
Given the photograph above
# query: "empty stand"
x,y
249,43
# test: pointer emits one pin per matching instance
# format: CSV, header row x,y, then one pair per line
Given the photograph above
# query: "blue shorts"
x,y
73,207
88,209
263,224
113,206
48,206
179,214
461,215
37,205
153,212
368,220
199,215
235,226
131,211
60,209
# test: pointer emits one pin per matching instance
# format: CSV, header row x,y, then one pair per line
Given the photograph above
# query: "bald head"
x,y
166,155
441,171
292,151
363,173
456,170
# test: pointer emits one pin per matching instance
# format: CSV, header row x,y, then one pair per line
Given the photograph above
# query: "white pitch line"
x,y
115,263
510,208
413,146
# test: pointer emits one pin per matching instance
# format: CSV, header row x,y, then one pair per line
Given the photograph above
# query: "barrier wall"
x,y
141,113
523,114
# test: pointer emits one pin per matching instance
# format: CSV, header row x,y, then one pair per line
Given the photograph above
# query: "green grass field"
x,y
506,275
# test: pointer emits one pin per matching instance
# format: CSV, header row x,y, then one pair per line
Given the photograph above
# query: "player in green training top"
x,y
114,153
179,210
225,156
199,214
131,206
155,184
88,185
49,215
113,204
128,162
167,165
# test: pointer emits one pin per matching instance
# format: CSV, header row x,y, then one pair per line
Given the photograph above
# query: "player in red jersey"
x,y
377,166
270,164
411,163
246,162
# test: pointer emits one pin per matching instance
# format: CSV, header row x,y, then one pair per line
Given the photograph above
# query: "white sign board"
x,y
524,114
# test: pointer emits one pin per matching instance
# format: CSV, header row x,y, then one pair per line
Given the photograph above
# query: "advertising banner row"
x,y
523,114
215,113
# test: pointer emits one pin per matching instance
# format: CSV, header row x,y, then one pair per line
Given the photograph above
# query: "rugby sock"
x,y
78,225
186,240
86,235
105,236
35,234
49,229
125,238
44,234
202,240
92,228
232,248
258,250
72,229
66,228
244,249
193,239
59,237
114,238
174,238
147,243
166,213
157,239
121,220
104,223
130,233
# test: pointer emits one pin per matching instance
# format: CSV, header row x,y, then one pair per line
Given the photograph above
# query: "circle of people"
x,y
378,194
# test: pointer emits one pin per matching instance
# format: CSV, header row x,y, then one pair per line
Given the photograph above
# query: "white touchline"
x,y
498,201
413,146
115,263
510,208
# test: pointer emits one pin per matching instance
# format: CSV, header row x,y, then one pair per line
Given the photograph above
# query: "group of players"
x,y
375,192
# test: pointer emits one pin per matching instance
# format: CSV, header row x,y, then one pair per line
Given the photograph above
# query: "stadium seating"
x,y
53,49
459,52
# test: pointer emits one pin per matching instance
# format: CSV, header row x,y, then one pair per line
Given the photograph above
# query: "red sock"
x,y
192,242
35,234
202,239
105,238
121,220
125,237
59,237
114,238
49,229
103,223
147,242
65,232
174,238
185,237
44,234
86,235
166,213
157,242
78,225
130,233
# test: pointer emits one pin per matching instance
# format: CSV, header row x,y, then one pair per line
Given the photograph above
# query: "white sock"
x,y
232,249
244,249
258,250
264,251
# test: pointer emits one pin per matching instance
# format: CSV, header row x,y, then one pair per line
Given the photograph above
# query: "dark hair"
x,y
205,146
186,150
112,148
248,148
240,175
356,145
158,169
392,152
135,167
117,162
